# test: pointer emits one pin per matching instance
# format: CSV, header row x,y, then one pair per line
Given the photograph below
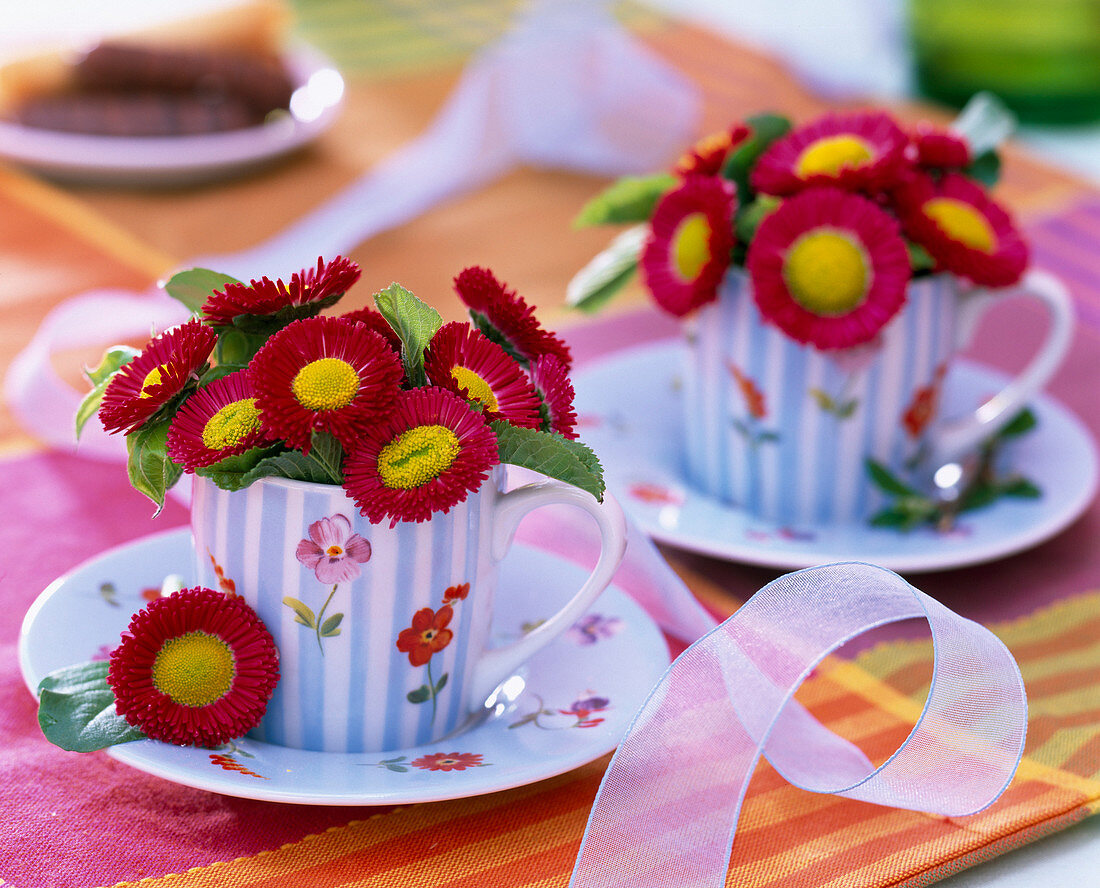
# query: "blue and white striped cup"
x,y
783,430
383,633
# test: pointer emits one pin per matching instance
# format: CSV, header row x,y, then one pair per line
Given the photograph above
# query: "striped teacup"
x,y
383,632
784,431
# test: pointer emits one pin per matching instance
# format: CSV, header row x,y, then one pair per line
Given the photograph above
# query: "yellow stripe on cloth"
x,y
85,223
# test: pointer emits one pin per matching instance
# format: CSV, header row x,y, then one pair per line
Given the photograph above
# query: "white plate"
x,y
81,615
630,410
183,160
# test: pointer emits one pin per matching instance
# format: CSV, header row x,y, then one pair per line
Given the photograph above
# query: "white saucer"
x,y
184,160
79,618
629,405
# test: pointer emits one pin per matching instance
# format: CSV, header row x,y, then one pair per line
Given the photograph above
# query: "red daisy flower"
x,y
937,148
506,318
448,761
853,151
308,292
376,322
552,383
829,268
707,156
323,373
463,360
428,634
963,229
688,249
219,420
426,455
154,377
196,668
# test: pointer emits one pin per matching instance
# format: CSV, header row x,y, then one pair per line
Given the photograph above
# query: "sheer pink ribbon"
x,y
667,810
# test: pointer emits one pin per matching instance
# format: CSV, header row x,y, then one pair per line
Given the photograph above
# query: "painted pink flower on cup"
x,y
332,551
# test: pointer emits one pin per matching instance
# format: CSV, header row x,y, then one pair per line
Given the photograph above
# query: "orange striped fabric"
x,y
787,838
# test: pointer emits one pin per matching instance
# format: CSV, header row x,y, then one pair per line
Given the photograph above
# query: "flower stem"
x,y
431,687
321,617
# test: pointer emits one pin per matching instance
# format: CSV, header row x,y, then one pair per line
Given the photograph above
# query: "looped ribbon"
x,y
667,810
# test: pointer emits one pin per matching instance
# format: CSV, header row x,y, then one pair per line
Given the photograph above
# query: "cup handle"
x,y
496,664
956,437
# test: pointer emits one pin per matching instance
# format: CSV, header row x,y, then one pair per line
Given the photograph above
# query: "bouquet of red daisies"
x,y
407,413
830,220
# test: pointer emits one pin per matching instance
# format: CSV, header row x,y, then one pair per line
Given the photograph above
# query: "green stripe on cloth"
x,y
382,38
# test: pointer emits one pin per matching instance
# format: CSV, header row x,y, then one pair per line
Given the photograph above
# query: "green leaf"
x,y
302,613
400,769
886,481
114,359
415,323
1022,488
76,709
750,216
439,685
151,470
629,199
421,695
609,271
765,129
331,626
194,286
551,454
919,258
1022,423
292,464
985,168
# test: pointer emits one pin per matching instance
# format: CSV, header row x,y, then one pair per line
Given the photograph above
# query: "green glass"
x,y
1041,57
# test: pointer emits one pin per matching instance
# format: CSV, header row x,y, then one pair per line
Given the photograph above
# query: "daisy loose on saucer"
x,y
155,376
218,421
425,456
463,360
829,268
688,248
195,668
861,151
307,292
323,374
963,229
506,318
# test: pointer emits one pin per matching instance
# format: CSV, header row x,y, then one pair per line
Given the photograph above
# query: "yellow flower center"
x,y
962,222
195,669
828,156
476,388
417,456
827,272
334,551
230,425
153,377
326,384
691,246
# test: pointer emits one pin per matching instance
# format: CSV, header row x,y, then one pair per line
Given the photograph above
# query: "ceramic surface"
x,y
568,705
643,454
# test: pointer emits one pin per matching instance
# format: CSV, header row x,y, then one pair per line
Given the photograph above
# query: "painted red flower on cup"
x,y
427,635
332,551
